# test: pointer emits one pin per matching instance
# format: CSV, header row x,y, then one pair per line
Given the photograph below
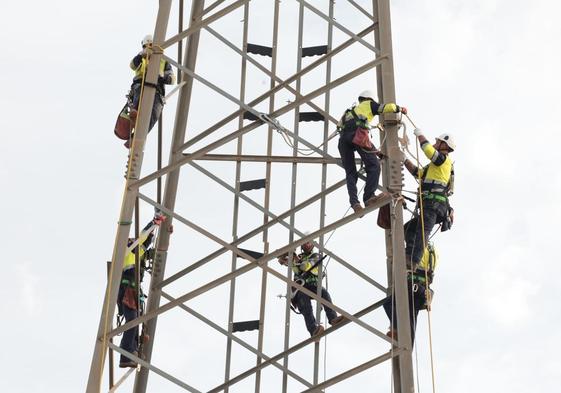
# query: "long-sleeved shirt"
x,y
165,74
438,174
364,113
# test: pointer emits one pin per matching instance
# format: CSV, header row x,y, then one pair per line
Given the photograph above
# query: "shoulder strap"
x,y
352,110
425,171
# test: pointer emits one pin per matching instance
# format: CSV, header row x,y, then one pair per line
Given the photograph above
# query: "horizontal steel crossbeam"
x,y
279,159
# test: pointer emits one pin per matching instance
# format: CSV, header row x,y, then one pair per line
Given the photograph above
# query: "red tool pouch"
x,y
129,299
362,139
123,125
384,219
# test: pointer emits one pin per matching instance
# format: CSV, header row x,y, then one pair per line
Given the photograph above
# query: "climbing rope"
x,y
424,241
305,151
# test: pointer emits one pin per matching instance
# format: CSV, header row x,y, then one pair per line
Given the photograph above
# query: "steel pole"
x,y
127,206
170,193
393,175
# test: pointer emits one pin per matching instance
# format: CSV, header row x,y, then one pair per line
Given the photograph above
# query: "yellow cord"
x,y
427,292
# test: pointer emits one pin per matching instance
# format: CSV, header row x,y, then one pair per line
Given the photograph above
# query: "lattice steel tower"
x,y
234,162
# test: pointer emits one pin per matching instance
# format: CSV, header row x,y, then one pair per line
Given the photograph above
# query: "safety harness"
x,y
419,277
302,280
437,191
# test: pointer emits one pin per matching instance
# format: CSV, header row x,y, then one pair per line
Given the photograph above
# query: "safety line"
x,y
427,292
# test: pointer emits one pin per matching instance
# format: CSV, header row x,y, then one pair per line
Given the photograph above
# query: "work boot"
x,y
127,363
357,207
337,320
375,198
392,334
319,330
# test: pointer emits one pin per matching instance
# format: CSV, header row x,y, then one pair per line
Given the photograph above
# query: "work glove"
x,y
418,132
158,219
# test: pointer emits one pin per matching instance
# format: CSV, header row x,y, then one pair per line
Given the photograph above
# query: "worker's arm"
x,y
386,108
147,234
411,168
431,153
169,76
136,61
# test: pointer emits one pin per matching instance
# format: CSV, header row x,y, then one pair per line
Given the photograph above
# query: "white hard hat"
x,y
367,94
448,139
147,40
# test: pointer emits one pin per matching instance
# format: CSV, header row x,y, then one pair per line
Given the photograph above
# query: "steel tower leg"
x,y
235,214
267,199
322,208
170,192
127,206
392,177
293,196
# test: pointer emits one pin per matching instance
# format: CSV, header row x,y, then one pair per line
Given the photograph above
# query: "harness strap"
x,y
437,197
128,282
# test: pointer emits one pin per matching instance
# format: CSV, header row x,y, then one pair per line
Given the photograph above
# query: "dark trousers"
x,y
433,212
304,304
156,107
416,301
129,342
371,165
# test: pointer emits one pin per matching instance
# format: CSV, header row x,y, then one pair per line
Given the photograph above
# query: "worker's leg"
x,y
156,110
346,150
136,89
129,342
329,313
415,303
410,228
414,307
422,232
433,212
372,168
305,307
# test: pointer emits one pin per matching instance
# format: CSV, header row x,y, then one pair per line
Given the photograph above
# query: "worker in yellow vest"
x,y
165,77
437,185
305,269
418,289
127,299
352,123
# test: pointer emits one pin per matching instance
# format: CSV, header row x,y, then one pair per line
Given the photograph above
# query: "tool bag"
x,y
362,136
130,298
362,139
384,219
123,125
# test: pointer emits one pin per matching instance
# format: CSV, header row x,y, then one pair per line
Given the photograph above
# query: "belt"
x,y
436,197
417,278
128,282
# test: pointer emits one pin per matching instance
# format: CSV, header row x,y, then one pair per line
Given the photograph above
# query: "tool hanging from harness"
x,y
361,136
302,280
123,125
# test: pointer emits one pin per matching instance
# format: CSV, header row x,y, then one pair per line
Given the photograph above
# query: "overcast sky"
x,y
484,70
